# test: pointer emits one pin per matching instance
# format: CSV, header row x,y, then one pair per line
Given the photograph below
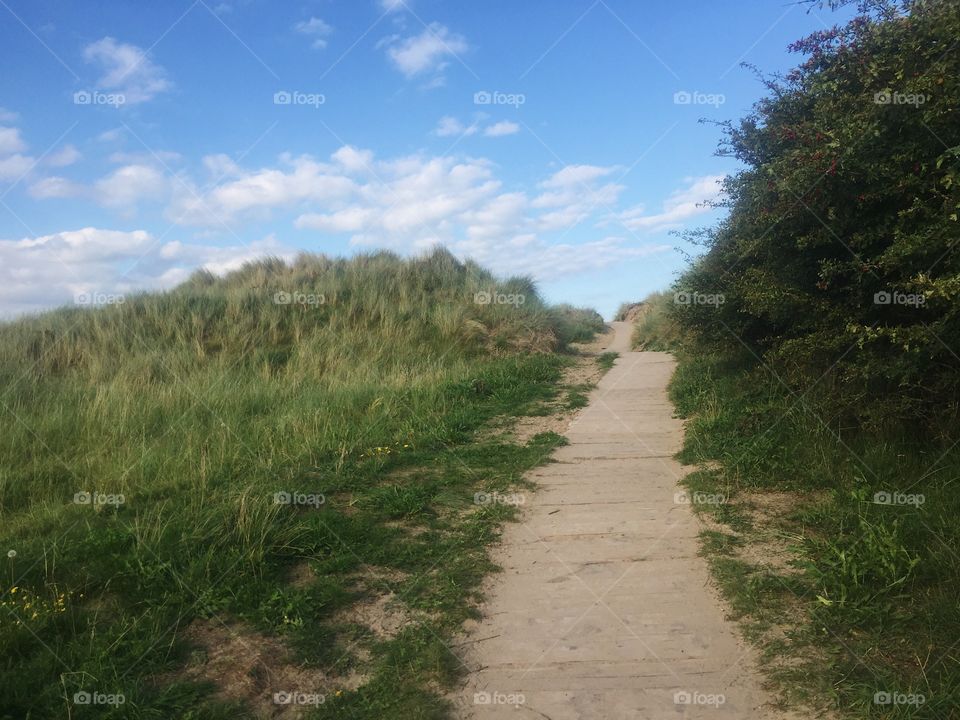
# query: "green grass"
x,y
607,359
871,604
577,397
198,406
578,324
655,328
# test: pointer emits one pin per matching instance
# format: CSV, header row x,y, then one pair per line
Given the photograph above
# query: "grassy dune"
x,y
250,457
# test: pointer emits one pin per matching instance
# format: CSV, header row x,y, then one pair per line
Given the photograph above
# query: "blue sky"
x,y
558,139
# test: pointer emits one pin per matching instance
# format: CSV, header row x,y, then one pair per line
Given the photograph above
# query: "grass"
x,y
577,396
607,359
654,328
578,324
866,603
318,420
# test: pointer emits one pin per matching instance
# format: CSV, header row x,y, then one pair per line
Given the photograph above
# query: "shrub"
x,y
577,324
837,263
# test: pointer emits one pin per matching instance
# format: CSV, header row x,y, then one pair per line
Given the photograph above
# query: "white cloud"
x,y
502,128
575,175
146,157
449,126
393,5
42,272
67,155
256,193
415,202
682,205
315,28
409,201
498,218
55,187
351,220
406,203
220,259
124,189
428,52
126,70
8,116
126,186
111,135
221,166
572,195
527,254
353,160
14,167
10,141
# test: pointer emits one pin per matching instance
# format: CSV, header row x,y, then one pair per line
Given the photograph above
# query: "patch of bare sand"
x,y
773,540
383,615
632,312
246,665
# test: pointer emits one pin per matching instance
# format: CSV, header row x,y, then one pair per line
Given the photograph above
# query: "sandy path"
x,y
604,610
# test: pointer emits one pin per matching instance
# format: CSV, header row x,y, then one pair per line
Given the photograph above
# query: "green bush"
x,y
837,264
577,324
657,326
817,340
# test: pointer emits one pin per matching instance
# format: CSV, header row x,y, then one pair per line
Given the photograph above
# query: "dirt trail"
x,y
604,609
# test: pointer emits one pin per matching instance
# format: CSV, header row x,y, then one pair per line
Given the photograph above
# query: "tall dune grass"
x,y
196,406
